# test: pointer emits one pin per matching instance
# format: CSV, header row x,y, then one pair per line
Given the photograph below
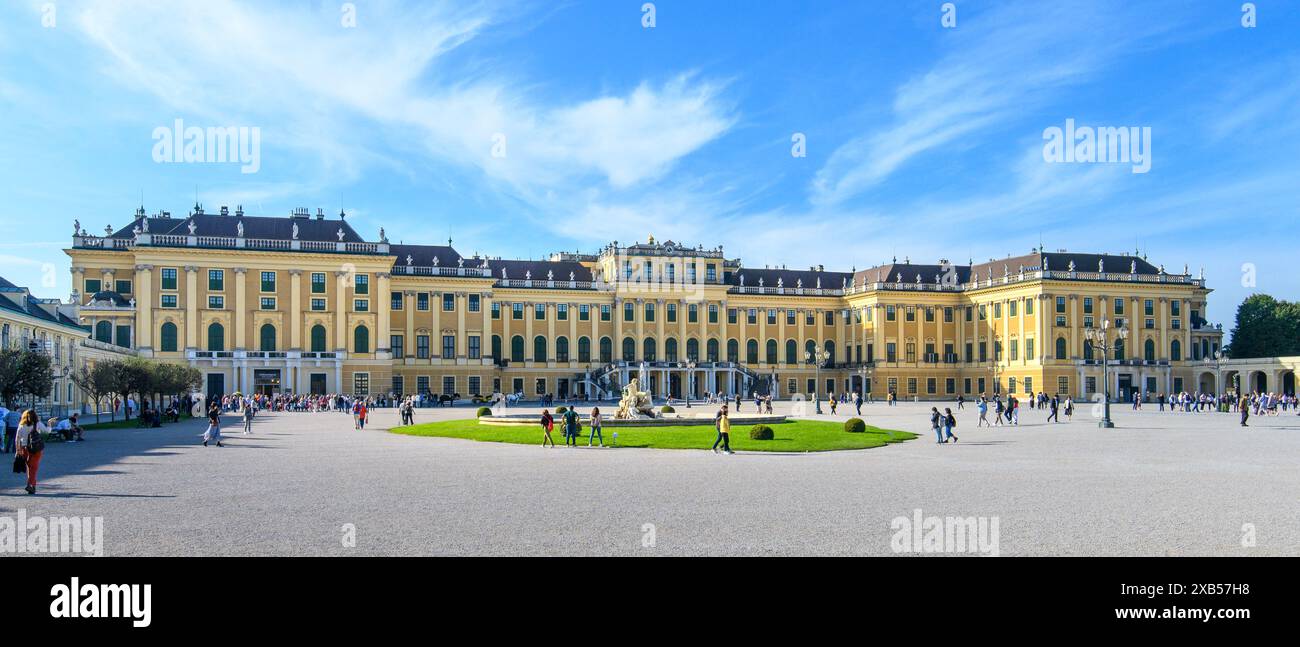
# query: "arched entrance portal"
x,y
1259,382
1288,382
1207,383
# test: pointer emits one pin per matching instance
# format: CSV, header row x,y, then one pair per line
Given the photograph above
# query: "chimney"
x,y
225,211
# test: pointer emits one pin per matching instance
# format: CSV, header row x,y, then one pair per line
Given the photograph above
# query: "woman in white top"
x,y
31,449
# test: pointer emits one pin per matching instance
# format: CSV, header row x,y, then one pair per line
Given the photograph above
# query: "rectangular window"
x,y
539,311
448,346
422,301
649,312
268,303
398,385
168,301
517,311
1029,305
475,385
422,346
984,312
911,386
397,301
1029,348
891,352
1062,384
268,281
1150,323
422,383
692,313
1060,304
751,317
1119,306
947,314
931,385
92,286
810,319
361,284
1176,308
790,317
584,312
890,313
1011,308
475,303
1176,324
713,313
318,304
969,310
216,302
771,317
397,344
997,310
1150,307
711,273
731,316
169,278
361,384
475,351
448,301
122,286
317,283
1060,321
561,312
496,310
606,313
1087,305
361,305
629,311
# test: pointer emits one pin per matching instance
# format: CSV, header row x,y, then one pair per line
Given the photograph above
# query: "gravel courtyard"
x,y
1160,484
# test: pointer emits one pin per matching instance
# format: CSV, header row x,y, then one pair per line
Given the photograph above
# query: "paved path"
x,y
1162,484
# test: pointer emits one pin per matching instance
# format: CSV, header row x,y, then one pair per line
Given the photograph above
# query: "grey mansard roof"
x,y
272,227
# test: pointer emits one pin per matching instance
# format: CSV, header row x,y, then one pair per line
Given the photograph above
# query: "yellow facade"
x,y
272,311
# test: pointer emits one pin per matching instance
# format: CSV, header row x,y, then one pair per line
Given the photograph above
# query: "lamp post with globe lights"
x,y
818,358
689,366
1101,339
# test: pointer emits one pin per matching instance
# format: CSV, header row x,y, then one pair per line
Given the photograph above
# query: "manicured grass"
x,y
792,436
88,422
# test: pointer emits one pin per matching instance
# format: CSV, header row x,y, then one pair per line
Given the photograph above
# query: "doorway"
x,y
318,384
266,381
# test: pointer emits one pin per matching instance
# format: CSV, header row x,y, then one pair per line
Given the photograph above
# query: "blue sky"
x,y
922,141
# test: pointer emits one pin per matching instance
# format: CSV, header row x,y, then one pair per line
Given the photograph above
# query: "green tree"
x,y
1266,327
100,381
24,374
138,378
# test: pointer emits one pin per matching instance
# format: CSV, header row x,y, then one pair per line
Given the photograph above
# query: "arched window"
x,y
167,338
539,349
711,351
267,337
791,351
216,337
629,349
561,349
770,356
751,351
606,350
517,348
1175,351
693,350
496,347
670,350
318,337
584,349
733,350
1087,349
1149,350
1119,350
809,347
830,353
648,348
361,340
104,332
1060,348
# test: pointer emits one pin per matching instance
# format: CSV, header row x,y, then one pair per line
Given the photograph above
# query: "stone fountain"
x,y
635,404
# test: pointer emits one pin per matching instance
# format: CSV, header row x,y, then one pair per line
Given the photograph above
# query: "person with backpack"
x,y
949,421
548,423
570,427
936,422
30,445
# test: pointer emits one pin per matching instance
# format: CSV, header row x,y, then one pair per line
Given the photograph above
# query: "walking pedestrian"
x,y
949,421
570,427
213,433
596,422
548,423
723,426
31,445
936,421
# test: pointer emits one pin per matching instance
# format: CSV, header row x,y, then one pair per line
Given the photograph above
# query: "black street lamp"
x,y
817,357
1100,339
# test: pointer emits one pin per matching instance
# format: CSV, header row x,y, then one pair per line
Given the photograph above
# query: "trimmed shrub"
x,y
667,409
855,426
484,411
761,432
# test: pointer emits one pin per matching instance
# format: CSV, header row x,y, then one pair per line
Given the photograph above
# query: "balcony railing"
x,y
264,355
228,242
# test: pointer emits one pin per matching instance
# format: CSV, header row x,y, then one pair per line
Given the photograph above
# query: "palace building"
x,y
305,304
